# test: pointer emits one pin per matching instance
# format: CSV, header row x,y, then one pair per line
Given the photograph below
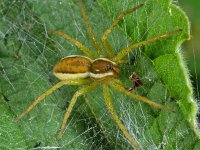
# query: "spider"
x,y
91,71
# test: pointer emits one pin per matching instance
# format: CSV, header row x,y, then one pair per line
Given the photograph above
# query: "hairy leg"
x,y
82,47
53,88
115,84
109,30
89,28
116,118
80,92
125,51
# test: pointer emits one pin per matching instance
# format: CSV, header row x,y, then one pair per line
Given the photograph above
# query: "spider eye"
x,y
109,67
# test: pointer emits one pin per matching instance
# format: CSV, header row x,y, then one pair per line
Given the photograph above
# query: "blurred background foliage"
x,y
191,48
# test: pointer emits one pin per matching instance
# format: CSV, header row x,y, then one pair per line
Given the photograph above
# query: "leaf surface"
x,y
28,55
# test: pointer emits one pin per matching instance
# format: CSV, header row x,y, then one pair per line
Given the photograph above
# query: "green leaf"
x,y
28,54
10,133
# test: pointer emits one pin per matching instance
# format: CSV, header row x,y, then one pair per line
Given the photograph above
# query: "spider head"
x,y
103,67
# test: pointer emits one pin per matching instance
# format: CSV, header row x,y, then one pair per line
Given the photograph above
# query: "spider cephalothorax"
x,y
103,67
94,71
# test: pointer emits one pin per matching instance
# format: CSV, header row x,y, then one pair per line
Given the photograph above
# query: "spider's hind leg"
x,y
90,30
49,91
78,44
80,92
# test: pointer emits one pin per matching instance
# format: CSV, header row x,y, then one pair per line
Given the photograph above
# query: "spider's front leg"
x,y
126,50
117,85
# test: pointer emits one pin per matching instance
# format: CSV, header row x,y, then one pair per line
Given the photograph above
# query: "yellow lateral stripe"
x,y
89,28
116,118
75,42
119,88
80,92
68,76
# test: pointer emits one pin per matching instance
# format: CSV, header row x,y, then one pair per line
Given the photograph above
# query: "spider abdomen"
x,y
73,67
79,67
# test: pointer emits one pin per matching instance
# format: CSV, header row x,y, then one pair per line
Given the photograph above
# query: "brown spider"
x,y
93,71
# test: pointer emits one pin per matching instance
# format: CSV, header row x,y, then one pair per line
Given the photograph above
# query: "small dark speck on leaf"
x,y
170,99
5,98
37,145
5,39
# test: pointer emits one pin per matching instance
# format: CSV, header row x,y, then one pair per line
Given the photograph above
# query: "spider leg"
x,y
121,89
56,86
125,51
89,28
82,47
80,92
110,108
115,22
